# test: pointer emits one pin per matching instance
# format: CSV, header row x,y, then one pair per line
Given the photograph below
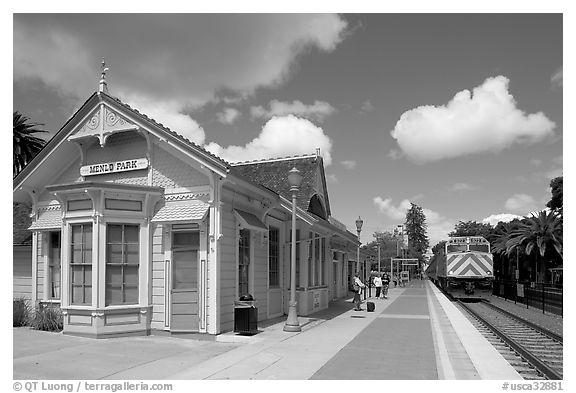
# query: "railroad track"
x,y
534,352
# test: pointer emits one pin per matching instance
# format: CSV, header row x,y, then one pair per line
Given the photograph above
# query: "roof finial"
x,y
317,151
103,85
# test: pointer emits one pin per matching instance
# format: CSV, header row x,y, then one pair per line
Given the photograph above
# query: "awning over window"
x,y
190,210
47,219
249,221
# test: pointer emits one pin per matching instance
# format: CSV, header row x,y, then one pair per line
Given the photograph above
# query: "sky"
x,y
461,114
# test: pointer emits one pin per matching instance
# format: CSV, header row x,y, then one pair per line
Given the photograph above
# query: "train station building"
x,y
134,228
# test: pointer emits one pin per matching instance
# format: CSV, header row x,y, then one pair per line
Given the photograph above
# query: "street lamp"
x,y
292,324
359,223
378,257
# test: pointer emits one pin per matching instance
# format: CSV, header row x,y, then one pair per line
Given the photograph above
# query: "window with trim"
x,y
310,259
81,264
54,265
322,261
243,262
122,263
342,255
298,283
273,257
317,272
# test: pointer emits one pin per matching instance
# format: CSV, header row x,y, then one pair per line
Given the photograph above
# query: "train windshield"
x,y
480,247
456,248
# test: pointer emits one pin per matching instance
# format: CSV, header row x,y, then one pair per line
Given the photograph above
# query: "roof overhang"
x,y
90,185
182,211
249,221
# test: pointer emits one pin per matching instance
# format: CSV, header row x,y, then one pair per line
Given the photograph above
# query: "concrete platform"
x,y
415,334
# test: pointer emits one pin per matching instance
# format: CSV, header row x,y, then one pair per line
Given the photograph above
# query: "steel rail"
x,y
538,328
542,367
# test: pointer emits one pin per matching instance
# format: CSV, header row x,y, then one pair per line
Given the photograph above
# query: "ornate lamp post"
x,y
359,223
292,324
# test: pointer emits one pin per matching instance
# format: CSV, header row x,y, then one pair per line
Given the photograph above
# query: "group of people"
x,y
381,284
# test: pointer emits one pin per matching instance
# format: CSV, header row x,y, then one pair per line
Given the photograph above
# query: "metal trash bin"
x,y
245,315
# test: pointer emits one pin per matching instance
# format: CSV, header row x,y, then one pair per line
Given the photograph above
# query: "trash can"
x,y
245,315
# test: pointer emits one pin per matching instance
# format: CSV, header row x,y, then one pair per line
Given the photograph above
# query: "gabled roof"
x,y
191,144
86,107
273,174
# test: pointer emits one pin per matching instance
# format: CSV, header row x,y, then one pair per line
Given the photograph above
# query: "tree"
x,y
556,202
538,234
25,144
472,228
387,243
498,239
438,247
416,228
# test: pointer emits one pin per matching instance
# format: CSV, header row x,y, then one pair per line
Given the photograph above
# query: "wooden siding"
x,y
228,269
158,300
22,274
120,146
170,172
40,274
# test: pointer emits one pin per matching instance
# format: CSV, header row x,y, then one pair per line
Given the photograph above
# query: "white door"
x,y
275,263
184,290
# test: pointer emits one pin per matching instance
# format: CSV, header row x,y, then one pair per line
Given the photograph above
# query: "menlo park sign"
x,y
114,167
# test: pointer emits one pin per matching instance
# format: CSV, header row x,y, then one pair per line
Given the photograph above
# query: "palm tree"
x,y
25,144
537,233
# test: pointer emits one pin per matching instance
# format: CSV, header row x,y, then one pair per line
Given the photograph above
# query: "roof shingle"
x,y
273,174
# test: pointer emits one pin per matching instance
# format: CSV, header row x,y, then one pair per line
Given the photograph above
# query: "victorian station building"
x,y
135,229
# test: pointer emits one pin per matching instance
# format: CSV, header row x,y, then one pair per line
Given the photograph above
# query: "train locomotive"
x,y
463,268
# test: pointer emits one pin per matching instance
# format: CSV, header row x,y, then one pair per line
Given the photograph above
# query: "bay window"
x,y
122,264
54,265
81,264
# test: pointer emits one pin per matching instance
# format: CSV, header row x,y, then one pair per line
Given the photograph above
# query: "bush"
x,y
48,317
21,312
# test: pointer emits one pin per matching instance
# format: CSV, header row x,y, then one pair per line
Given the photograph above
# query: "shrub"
x,y
48,317
21,312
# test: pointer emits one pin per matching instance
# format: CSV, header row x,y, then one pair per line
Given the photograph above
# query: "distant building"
x,y
134,229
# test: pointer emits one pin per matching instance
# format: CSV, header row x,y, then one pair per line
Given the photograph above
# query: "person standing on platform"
x,y
358,287
378,284
385,284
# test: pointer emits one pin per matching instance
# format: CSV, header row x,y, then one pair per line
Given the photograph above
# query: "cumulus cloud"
x,y
228,115
521,203
496,218
557,79
462,187
170,114
349,164
438,225
318,111
196,54
485,120
280,137
198,58
395,212
366,107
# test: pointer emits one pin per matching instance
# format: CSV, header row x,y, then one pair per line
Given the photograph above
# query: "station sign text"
x,y
114,167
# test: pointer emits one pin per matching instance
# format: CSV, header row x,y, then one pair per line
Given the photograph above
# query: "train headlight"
x,y
451,272
488,272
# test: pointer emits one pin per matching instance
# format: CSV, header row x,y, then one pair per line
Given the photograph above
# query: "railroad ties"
x,y
533,351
